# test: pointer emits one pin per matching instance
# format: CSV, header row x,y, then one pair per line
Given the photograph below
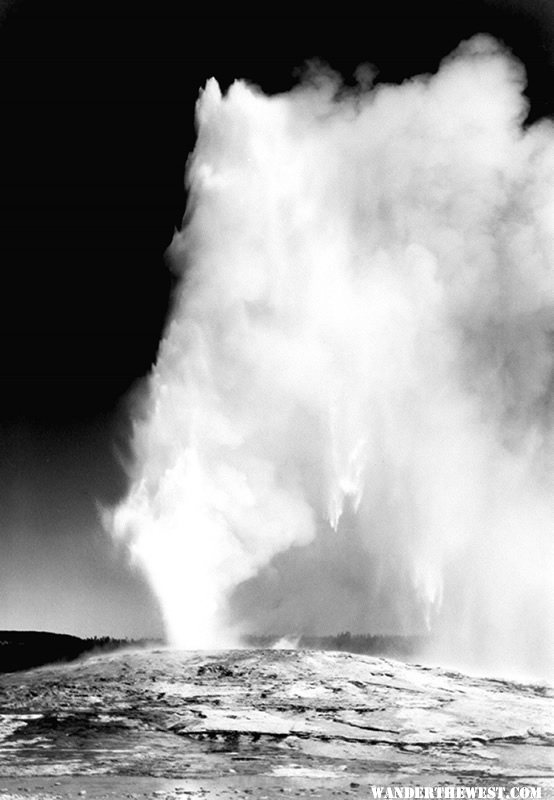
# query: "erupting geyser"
x,y
350,421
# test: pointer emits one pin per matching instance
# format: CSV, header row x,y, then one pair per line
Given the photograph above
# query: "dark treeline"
x,y
365,644
26,649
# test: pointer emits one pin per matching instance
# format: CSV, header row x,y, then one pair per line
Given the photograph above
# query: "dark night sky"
x,y
96,123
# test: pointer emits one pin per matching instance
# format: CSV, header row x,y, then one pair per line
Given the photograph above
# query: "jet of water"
x,y
349,424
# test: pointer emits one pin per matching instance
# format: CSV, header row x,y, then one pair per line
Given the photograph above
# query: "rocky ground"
x,y
264,724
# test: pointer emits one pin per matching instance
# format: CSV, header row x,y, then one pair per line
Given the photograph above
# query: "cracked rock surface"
x,y
264,723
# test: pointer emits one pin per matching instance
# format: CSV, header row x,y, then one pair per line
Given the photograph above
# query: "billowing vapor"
x,y
349,425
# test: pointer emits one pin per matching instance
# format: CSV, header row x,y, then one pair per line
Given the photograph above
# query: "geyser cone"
x,y
350,420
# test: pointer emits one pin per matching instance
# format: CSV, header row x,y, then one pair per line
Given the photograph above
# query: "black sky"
x,y
97,104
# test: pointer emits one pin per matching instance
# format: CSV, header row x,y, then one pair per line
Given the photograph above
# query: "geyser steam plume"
x,y
350,420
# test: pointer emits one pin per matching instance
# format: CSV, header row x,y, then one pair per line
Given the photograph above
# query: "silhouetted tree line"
x,y
26,649
365,644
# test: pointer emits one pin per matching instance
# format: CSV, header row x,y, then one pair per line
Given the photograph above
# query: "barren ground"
x,y
264,724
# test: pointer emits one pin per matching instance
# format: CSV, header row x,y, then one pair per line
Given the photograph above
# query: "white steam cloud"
x,y
350,421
